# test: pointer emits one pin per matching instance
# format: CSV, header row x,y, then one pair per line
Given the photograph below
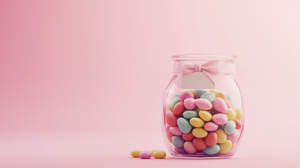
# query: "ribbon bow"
x,y
213,69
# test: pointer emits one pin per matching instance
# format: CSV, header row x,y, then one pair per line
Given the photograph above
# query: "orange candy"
x,y
171,119
199,143
229,104
211,139
178,108
188,137
238,124
170,135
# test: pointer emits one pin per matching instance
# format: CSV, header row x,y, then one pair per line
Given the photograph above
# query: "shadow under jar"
x,y
203,108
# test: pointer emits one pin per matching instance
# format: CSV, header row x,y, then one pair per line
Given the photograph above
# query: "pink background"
x,y
82,81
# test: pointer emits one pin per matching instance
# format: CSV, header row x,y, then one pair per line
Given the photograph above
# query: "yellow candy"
x,y
221,136
199,132
239,113
135,153
196,122
170,107
154,150
205,115
231,114
225,147
213,90
159,154
233,145
221,95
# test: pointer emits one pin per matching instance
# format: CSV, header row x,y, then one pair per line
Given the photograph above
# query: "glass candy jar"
x,y
203,109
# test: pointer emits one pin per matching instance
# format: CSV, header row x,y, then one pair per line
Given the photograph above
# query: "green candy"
x,y
184,125
209,96
200,92
229,127
177,141
189,114
211,150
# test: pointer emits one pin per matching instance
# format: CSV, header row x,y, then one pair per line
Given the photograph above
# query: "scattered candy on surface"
x,y
159,154
145,155
202,121
135,153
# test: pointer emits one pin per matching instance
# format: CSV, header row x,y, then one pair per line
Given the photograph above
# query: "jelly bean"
x,y
221,136
203,104
199,132
177,141
167,128
220,105
152,151
229,104
179,150
225,147
199,143
145,155
170,107
211,139
233,145
189,103
205,115
209,96
220,118
213,91
200,92
228,97
175,101
239,113
196,122
238,124
189,147
159,154
210,126
135,153
230,114
229,127
220,95
192,91
175,130
211,150
189,114
171,119
184,125
184,95
170,135
188,137
234,136
178,108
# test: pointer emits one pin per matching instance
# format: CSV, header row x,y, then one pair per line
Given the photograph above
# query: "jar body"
x,y
203,122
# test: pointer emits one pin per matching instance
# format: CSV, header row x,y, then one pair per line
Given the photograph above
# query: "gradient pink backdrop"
x,y
82,81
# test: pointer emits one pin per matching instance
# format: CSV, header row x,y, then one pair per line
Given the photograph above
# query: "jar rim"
x,y
202,57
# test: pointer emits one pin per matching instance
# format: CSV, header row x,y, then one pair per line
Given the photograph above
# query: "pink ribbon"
x,y
213,69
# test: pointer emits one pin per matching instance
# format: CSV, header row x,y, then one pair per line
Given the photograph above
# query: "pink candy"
x,y
220,118
185,95
203,104
189,103
145,155
234,136
210,126
220,105
176,131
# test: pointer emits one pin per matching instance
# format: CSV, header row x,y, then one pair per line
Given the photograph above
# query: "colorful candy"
x,y
159,154
184,125
202,121
229,127
145,155
220,105
135,153
196,122
189,103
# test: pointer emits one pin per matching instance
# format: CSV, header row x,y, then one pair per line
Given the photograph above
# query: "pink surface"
x,y
70,72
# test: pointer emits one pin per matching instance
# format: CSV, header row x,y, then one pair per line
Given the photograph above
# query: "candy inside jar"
x,y
202,122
